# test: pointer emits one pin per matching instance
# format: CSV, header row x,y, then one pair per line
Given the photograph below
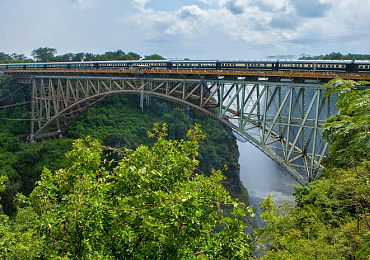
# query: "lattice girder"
x,y
282,120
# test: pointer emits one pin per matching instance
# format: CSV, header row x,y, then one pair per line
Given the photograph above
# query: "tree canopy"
x,y
44,54
154,57
151,205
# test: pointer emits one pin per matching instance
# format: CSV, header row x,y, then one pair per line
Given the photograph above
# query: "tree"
x,y
5,58
113,55
152,205
79,57
348,132
132,56
44,54
154,57
65,57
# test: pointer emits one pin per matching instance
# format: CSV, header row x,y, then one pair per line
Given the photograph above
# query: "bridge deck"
x,y
216,73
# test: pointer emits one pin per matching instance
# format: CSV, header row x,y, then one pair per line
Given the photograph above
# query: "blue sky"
x,y
195,29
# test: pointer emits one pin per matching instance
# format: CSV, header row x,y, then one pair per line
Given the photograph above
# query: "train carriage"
x,y
247,65
193,64
111,64
332,66
153,64
362,66
314,65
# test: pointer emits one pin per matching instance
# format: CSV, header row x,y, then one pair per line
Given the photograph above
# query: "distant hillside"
x,y
337,56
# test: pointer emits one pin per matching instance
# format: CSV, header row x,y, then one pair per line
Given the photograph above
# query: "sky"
x,y
194,29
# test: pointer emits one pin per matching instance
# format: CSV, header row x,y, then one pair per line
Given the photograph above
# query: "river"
x,y
262,176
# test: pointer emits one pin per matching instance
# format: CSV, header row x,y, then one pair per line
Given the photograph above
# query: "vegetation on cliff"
x,y
332,217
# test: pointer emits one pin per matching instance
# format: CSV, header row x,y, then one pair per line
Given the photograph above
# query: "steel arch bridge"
x,y
283,120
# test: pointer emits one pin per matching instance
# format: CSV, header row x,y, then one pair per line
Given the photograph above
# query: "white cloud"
x,y
207,2
83,4
140,4
272,23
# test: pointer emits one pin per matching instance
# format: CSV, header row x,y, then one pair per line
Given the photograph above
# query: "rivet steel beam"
x,y
272,116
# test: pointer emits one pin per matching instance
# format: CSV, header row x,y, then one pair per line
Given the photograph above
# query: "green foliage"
x,y
152,205
22,163
11,58
332,217
3,179
19,238
154,57
44,54
348,132
337,56
47,54
119,122
5,58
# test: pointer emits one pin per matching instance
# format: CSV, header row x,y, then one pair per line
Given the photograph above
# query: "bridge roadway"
x,y
280,113
294,76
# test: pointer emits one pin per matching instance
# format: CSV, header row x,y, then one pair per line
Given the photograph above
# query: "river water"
x,y
262,176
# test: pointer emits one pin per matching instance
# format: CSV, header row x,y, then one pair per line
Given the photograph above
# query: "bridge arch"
x,y
283,120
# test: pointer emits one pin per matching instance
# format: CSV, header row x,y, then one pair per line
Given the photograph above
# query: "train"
x,y
338,66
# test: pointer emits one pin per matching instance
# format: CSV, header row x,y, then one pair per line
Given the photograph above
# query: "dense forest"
x,y
46,54
163,200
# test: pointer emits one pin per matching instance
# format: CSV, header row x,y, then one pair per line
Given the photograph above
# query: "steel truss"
x,y
282,120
